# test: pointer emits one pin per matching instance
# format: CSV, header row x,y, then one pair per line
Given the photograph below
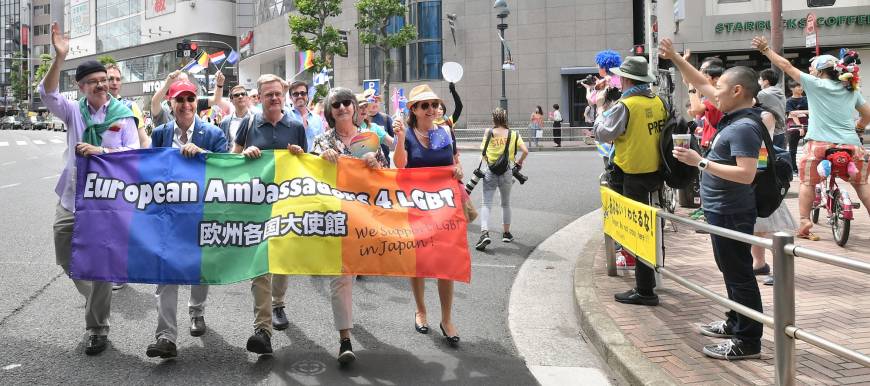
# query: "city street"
x,y
42,324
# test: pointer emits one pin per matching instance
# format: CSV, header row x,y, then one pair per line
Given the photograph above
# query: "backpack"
x,y
676,174
502,164
771,183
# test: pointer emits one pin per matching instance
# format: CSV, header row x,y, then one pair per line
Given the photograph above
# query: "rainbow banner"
x,y
153,216
306,59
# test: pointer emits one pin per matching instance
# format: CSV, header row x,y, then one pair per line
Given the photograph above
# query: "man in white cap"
x,y
634,124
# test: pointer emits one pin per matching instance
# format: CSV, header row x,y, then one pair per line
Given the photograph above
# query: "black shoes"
x,y
197,326
717,329
96,344
279,319
483,242
421,328
260,342
732,349
345,352
453,341
163,348
764,270
633,297
507,237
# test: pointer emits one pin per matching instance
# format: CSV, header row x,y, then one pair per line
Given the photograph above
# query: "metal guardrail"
x,y
474,132
783,319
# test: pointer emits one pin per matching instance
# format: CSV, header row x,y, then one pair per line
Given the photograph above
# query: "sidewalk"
x,y
466,145
830,302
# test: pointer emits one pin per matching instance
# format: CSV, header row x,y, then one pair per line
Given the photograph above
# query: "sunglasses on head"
x,y
344,103
426,105
299,94
239,95
188,99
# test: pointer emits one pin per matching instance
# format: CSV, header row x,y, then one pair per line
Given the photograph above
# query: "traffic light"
x,y
639,50
183,48
820,3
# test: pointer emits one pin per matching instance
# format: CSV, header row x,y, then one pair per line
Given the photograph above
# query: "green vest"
x,y
637,150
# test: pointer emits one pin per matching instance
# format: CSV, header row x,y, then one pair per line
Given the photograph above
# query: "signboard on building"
x,y
862,20
79,18
156,8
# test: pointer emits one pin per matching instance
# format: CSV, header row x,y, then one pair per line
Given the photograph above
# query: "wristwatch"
x,y
703,164
692,91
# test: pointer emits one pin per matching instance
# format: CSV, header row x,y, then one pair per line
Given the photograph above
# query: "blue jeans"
x,y
734,260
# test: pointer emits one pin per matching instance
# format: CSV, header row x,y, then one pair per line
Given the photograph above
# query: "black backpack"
x,y
676,174
772,183
502,164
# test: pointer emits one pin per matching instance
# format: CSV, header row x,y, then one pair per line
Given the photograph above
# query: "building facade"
x,y
141,35
725,28
553,45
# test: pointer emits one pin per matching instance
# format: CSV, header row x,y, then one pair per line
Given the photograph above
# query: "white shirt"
x,y
235,124
557,116
176,138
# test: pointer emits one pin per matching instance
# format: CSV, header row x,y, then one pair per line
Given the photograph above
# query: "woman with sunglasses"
x,y
343,115
427,145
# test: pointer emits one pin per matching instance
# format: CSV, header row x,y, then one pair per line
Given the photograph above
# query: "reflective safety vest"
x,y
637,150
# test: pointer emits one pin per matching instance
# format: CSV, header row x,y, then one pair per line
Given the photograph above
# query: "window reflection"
x,y
269,9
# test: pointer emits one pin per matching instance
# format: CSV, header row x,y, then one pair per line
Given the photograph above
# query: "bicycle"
x,y
836,202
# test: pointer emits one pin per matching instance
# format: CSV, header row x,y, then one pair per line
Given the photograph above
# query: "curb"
x,y
476,147
617,351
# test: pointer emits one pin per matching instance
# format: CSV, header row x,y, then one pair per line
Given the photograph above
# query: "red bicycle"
x,y
837,202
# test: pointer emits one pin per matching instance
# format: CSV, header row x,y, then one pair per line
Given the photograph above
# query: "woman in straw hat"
x,y
428,145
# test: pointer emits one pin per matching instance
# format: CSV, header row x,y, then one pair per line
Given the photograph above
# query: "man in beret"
x,y
96,124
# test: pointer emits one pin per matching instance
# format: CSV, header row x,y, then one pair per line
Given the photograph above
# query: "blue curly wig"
x,y
608,59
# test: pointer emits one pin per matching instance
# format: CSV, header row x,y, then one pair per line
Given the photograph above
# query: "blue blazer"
x,y
205,135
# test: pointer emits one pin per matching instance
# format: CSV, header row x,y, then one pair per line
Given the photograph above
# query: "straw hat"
x,y
422,93
361,99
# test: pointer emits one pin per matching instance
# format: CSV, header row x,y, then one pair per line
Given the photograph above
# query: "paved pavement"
x,y
830,302
41,328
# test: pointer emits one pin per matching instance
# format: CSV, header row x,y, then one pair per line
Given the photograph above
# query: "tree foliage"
x,y
375,18
44,64
106,59
309,31
18,78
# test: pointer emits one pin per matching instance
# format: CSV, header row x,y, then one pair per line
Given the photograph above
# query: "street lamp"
x,y
503,12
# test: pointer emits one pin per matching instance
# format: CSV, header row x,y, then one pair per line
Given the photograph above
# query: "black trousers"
x,y
794,138
638,187
557,133
734,260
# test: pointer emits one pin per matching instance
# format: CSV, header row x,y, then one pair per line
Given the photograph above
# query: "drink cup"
x,y
682,140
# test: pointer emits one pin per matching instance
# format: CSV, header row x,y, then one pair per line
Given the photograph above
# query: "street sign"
x,y
811,32
374,84
810,41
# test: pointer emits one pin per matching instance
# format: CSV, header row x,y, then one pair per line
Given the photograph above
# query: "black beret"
x,y
87,68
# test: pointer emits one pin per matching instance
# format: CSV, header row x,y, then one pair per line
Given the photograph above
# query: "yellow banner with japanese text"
x,y
631,224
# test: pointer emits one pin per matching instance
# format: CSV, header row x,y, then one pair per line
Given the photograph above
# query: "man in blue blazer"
x,y
192,136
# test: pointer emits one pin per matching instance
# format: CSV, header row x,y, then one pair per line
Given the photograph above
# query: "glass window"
x,y
425,53
269,9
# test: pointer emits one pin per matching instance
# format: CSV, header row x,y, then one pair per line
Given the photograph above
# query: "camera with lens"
x,y
473,181
519,176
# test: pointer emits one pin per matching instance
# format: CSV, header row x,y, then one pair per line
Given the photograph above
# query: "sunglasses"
x,y
188,99
344,103
426,105
239,95
299,94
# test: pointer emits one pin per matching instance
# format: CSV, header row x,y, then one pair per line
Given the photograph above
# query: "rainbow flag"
x,y
154,216
306,59
762,158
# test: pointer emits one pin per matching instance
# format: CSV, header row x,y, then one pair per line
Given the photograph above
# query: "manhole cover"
x,y
308,367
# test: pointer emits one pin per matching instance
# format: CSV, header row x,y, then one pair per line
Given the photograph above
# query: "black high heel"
x,y
453,341
421,328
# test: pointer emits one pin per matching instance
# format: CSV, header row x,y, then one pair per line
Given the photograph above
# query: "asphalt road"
x,y
42,327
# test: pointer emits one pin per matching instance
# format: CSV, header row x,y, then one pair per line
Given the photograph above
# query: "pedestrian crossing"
x,y
36,142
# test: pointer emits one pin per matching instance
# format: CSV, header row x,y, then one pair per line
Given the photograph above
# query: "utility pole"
x,y
776,33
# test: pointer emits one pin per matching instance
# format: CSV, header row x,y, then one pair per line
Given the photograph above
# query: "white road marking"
x,y
21,143
8,163
12,366
10,185
51,177
4,144
494,265
38,142
55,140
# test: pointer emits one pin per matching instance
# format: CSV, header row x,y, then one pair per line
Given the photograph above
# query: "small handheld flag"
x,y
217,57
306,59
234,57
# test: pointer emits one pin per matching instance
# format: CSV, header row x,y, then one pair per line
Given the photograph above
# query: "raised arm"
x,y
689,72
760,44
219,80
160,94
61,48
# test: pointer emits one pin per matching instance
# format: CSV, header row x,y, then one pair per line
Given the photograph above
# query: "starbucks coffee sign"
x,y
793,24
